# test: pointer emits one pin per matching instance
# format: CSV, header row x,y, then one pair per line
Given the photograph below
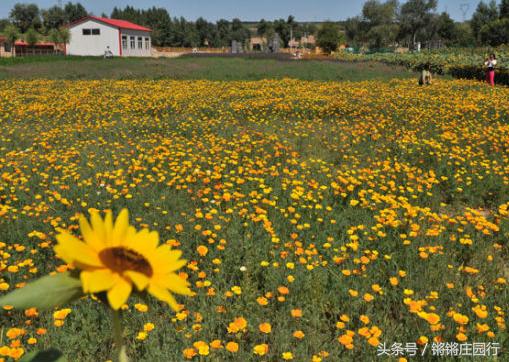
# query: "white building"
x,y
93,35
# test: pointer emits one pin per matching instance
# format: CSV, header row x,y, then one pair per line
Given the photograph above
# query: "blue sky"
x,y
309,10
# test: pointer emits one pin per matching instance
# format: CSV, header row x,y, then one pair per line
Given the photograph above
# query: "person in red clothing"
x,y
490,64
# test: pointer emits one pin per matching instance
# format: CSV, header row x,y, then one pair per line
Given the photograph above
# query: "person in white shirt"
x,y
490,64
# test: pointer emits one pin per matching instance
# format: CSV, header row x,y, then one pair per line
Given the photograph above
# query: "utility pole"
x,y
464,7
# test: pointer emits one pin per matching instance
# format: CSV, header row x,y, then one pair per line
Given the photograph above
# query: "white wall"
x,y
136,52
94,45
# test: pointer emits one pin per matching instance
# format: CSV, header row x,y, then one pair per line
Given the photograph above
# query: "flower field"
x,y
318,219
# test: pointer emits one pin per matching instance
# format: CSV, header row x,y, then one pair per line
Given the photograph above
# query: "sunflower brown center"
x,y
121,259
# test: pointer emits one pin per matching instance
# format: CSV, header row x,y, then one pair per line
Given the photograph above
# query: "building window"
x,y
140,42
87,31
124,42
96,31
133,42
147,43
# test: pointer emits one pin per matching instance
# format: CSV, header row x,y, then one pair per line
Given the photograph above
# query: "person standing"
x,y
490,64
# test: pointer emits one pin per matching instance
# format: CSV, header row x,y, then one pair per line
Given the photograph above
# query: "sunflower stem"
x,y
118,331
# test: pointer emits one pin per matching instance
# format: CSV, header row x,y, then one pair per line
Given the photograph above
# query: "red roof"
x,y
117,23
24,43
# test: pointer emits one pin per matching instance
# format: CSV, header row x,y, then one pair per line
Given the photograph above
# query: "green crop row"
x,y
459,63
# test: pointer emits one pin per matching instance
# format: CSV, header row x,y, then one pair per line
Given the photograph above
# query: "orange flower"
x,y
202,250
215,344
283,290
265,328
298,334
189,353
296,313
238,325
262,301
232,347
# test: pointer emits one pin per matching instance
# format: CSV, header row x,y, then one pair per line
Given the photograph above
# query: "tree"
x,y
3,24
25,16
377,27
379,19
504,9
11,34
239,32
483,15
282,28
378,13
53,18
263,27
463,36
74,12
328,37
223,32
31,37
415,16
496,32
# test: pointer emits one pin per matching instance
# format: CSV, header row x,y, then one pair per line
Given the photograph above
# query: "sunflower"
x,y
114,258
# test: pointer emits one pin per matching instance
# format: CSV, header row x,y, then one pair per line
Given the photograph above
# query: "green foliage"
x,y
495,32
483,15
25,16
328,37
74,12
51,355
31,36
415,17
460,63
193,68
45,293
11,33
53,18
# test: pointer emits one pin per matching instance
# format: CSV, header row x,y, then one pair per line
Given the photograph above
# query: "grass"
x,y
373,207
210,68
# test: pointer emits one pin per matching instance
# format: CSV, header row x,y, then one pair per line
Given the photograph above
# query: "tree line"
x,y
384,24
381,24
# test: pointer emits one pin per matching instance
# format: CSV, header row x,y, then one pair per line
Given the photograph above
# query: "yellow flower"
x,y
148,327
62,313
114,257
141,307
141,336
461,337
287,356
261,349
460,318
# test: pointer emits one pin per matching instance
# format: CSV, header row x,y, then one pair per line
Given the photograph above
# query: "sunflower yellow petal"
x,y
97,280
163,295
121,227
140,280
119,293
72,249
108,225
88,234
175,284
98,226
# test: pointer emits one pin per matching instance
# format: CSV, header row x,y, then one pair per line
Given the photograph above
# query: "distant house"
x,y
22,48
93,36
